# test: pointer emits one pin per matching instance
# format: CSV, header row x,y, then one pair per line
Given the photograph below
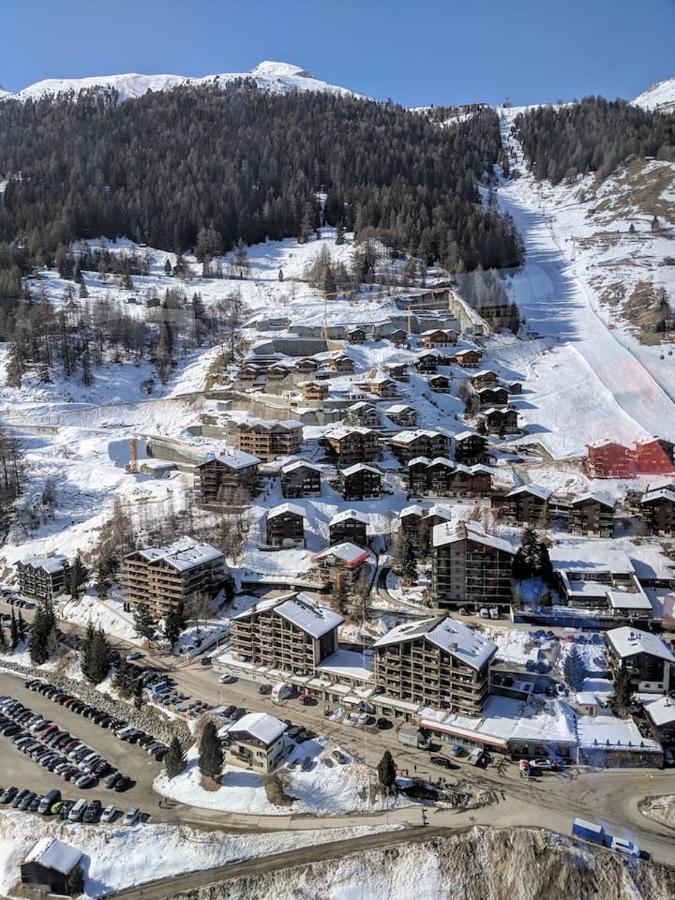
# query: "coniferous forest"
x,y
595,135
202,168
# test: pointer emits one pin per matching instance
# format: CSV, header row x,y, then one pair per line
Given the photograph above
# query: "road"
x,y
559,304
551,801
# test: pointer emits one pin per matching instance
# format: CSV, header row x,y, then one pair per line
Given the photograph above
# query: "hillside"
x,y
270,77
659,97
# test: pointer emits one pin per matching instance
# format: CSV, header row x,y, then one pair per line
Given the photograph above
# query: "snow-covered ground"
x,y
117,857
588,378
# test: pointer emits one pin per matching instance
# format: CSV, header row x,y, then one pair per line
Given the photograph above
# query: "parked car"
x,y
135,654
543,764
265,689
93,812
444,762
130,817
228,679
456,750
383,724
108,814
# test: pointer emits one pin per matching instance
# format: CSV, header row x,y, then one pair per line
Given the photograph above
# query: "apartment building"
x,y
469,447
285,526
290,633
442,477
646,656
300,479
593,514
353,445
470,568
360,482
527,505
226,477
349,525
658,510
269,440
407,445
402,414
161,577
42,577
438,662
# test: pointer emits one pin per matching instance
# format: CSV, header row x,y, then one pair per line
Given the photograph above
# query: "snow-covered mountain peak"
x,y
660,96
273,77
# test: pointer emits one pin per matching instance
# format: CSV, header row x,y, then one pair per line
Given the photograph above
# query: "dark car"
x,y
92,812
65,809
112,781
8,794
383,724
123,784
444,762
27,800
265,689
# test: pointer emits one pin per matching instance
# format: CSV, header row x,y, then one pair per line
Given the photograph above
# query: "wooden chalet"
x,y
468,359
527,505
482,379
402,414
408,444
501,421
440,384
469,447
363,413
492,396
360,482
285,526
658,510
349,525
224,479
300,479
356,335
593,514
398,371
353,444
427,362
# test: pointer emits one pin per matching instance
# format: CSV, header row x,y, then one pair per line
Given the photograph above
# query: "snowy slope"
x,y
660,96
272,77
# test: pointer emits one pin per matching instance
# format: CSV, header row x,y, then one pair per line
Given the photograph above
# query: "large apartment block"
x,y
160,577
269,440
437,662
470,568
42,577
292,633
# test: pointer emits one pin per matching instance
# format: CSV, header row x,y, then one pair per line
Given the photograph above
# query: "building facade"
x,y
470,568
42,577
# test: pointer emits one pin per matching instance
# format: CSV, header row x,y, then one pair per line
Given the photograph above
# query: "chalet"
x,y
492,396
658,509
285,526
341,559
300,479
255,741
437,337
227,478
162,578
267,439
482,379
349,525
250,372
501,421
356,335
439,383
468,359
291,633
43,577
527,505
402,414
407,445
398,337
363,413
442,477
654,457
515,387
314,391
470,568
607,459
398,371
278,371
49,868
353,444
647,658
383,387
427,362
360,482
592,513
409,520
436,662
306,365
661,716
436,515
342,364
605,584
469,447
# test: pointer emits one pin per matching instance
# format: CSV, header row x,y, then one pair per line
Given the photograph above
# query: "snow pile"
x,y
659,97
119,857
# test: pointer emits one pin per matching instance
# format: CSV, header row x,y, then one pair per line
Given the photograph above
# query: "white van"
x,y
77,811
282,691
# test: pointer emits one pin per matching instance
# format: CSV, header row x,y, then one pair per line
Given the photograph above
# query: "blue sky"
x,y
427,51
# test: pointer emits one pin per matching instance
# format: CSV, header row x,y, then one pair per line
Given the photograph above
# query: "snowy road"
x,y
594,383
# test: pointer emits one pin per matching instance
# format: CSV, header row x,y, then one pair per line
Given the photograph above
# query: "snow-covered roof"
x,y
299,464
414,510
661,711
534,489
419,461
598,496
349,664
54,854
449,635
399,408
663,493
235,459
590,556
410,435
261,726
348,553
629,600
183,554
629,641
284,509
465,435
347,514
50,564
360,467
608,732
343,431
449,533
299,609
483,372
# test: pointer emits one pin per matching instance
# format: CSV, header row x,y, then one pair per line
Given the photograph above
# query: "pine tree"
x,y
77,576
167,266
43,638
21,627
210,753
408,567
574,669
123,680
623,690
13,632
174,761
138,693
240,263
386,770
174,623
144,622
95,656
280,276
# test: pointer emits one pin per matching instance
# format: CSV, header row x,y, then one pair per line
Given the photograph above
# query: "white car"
x,y
108,814
227,679
130,817
135,654
628,848
543,764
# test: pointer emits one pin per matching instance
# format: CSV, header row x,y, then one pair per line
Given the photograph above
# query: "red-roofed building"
x,y
609,460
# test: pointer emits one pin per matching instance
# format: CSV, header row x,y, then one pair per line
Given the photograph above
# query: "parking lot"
x,y
23,772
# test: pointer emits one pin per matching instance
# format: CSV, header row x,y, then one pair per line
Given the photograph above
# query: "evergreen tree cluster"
x,y
205,167
95,655
532,558
43,637
574,669
595,135
210,752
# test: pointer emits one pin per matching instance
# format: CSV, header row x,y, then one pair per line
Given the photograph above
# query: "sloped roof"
x,y
663,493
447,533
629,641
410,435
349,514
534,489
300,609
54,854
449,635
183,554
348,553
261,726
360,467
661,711
285,508
299,464
50,564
